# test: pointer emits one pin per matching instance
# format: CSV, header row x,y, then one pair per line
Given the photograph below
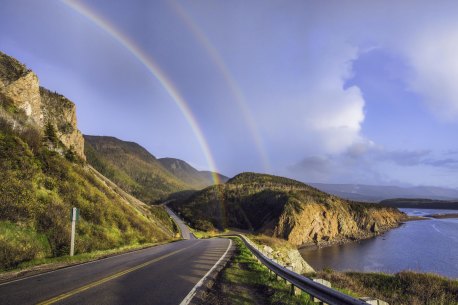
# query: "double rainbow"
x,y
168,85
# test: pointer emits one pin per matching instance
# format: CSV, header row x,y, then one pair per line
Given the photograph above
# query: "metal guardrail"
x,y
317,290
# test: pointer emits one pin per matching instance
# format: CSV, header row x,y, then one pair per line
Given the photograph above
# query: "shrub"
x,y
18,244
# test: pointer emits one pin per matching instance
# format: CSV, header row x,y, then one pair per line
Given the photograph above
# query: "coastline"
x,y
348,240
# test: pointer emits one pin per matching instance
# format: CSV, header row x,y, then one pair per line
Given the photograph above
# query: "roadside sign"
x,y
75,214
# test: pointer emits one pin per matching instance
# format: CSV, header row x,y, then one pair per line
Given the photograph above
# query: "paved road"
x,y
185,233
159,275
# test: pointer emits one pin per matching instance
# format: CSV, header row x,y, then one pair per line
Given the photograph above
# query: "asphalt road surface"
x,y
185,233
158,275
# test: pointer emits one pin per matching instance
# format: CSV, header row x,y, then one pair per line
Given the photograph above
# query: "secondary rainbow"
x,y
231,83
156,71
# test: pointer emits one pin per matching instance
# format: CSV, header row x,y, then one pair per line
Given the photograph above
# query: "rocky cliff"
x,y
286,209
20,87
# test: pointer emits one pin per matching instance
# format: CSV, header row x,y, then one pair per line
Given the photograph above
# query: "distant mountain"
x,y
138,172
420,203
284,208
188,174
376,193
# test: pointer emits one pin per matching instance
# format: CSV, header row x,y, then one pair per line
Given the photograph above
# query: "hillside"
x,y
188,174
138,172
285,208
43,175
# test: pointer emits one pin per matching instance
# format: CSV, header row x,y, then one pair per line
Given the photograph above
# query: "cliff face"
x,y
286,209
61,113
20,87
320,224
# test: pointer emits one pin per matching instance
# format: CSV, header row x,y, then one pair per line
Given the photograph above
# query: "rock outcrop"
x,y
61,113
20,87
317,223
286,209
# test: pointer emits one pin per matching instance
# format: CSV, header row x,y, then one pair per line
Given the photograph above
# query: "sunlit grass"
x,y
403,288
246,281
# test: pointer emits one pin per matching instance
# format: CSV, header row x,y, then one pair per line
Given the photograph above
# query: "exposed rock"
x,y
322,224
61,113
20,87
267,249
24,93
284,253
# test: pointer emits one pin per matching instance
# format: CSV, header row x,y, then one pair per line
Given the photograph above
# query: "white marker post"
x,y
74,216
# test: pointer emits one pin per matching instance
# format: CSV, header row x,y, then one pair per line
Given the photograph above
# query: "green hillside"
x,y
139,173
284,208
132,167
188,174
42,179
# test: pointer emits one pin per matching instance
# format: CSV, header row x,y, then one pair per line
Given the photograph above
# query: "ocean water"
x,y
425,246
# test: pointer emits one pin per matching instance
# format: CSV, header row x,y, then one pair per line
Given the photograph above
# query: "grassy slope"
x,y
132,167
36,195
39,187
246,281
188,174
404,288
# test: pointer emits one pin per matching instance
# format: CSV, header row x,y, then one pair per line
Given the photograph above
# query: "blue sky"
x,y
336,91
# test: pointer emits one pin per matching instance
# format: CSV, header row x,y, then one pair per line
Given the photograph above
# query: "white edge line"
x,y
191,294
81,264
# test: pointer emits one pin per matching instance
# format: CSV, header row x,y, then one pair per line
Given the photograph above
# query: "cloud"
x,y
366,163
316,112
313,168
402,157
433,57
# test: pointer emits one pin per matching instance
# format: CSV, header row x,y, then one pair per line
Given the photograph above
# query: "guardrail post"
x,y
322,282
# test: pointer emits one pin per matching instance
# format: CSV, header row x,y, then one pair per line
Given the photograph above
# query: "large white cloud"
x,y
433,55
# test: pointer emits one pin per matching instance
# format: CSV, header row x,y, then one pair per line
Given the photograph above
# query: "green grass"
x,y
38,188
404,288
246,281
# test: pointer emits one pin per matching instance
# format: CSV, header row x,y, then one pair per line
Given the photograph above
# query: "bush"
x,y
18,244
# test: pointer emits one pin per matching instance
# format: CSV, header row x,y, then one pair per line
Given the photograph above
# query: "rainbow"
x,y
156,71
231,83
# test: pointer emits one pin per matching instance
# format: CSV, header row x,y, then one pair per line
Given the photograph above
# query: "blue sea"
x,y
424,246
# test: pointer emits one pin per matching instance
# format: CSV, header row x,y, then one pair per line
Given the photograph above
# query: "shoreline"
x,y
442,216
346,240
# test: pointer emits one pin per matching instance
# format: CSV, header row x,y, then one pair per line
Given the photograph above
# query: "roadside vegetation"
x,y
41,180
246,281
404,288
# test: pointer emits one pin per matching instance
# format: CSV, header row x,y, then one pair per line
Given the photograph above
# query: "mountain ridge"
x,y
140,173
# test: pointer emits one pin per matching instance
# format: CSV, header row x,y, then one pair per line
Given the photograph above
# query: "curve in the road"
x,y
185,233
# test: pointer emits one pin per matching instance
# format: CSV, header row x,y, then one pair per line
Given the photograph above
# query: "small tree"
x,y
50,133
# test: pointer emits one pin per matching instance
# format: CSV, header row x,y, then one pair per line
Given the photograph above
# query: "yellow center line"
x,y
108,278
